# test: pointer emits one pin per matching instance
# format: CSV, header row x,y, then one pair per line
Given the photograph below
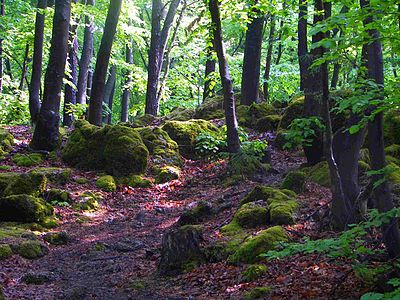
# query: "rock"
x,y
5,251
89,202
167,174
24,208
257,293
37,278
106,183
17,184
49,222
128,246
55,175
267,123
252,215
57,195
196,214
295,110
320,174
6,143
28,160
185,133
254,272
143,121
118,150
57,238
264,241
181,250
181,114
82,180
295,181
137,181
32,249
211,108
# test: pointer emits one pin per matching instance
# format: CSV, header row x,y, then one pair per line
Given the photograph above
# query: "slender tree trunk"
x,y
126,95
269,59
210,70
302,48
8,68
2,13
46,135
89,84
111,103
36,78
109,92
87,54
229,96
24,67
382,193
280,45
252,61
70,90
103,59
158,44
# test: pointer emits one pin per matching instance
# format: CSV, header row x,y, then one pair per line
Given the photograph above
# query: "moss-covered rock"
x,y
268,123
106,183
185,133
32,249
257,293
196,214
163,150
143,121
49,222
5,251
254,272
295,181
57,195
293,111
82,180
181,114
23,208
88,202
248,166
6,143
266,193
137,181
252,215
320,174
211,108
55,175
119,150
280,139
57,238
249,251
166,174
17,184
28,160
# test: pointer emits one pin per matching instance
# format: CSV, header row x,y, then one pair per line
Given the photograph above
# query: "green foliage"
x,y
303,131
395,294
78,110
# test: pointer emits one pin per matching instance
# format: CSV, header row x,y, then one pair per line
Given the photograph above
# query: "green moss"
x,y
211,108
166,174
363,166
254,272
320,174
89,202
57,238
143,121
293,111
57,195
393,150
31,249
82,180
197,214
394,176
268,123
281,212
55,175
6,143
28,160
249,251
265,193
17,184
5,251
106,183
251,215
5,168
181,114
391,128
8,232
295,181
280,139
24,208
185,133
49,222
257,293
246,166
137,181
391,159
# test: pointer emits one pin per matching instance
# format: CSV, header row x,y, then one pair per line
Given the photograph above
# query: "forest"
x,y
215,149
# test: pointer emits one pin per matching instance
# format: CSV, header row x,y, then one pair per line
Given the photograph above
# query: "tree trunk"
x,y
269,59
126,95
302,47
229,96
70,90
210,70
87,54
2,13
46,135
36,78
280,46
158,45
382,193
252,61
109,92
103,59
24,68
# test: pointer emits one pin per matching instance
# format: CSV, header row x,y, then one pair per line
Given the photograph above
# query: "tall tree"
x,y
36,77
24,67
2,13
210,70
109,90
46,135
252,58
229,96
126,94
103,59
158,43
269,58
87,54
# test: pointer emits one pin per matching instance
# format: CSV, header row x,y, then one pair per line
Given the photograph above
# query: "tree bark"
x,y
229,96
126,95
158,43
109,92
210,69
302,47
24,67
46,135
269,59
36,78
2,13
103,59
87,54
252,61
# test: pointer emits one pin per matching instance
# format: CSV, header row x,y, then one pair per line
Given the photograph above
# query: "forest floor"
x,y
114,252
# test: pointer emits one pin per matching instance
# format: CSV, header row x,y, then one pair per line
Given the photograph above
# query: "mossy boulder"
x,y
264,241
268,123
196,214
5,251
57,238
82,180
295,181
28,160
320,174
6,143
49,222
257,293
88,202
23,208
280,139
254,272
163,150
106,183
118,150
211,108
295,110
252,215
32,249
17,184
142,121
137,181
57,195
166,174
185,133
55,175
181,114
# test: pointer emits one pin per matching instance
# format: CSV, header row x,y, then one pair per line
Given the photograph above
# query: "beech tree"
x,y
126,95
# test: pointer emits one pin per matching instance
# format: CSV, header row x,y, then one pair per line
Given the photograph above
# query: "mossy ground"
x,y
106,183
28,160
